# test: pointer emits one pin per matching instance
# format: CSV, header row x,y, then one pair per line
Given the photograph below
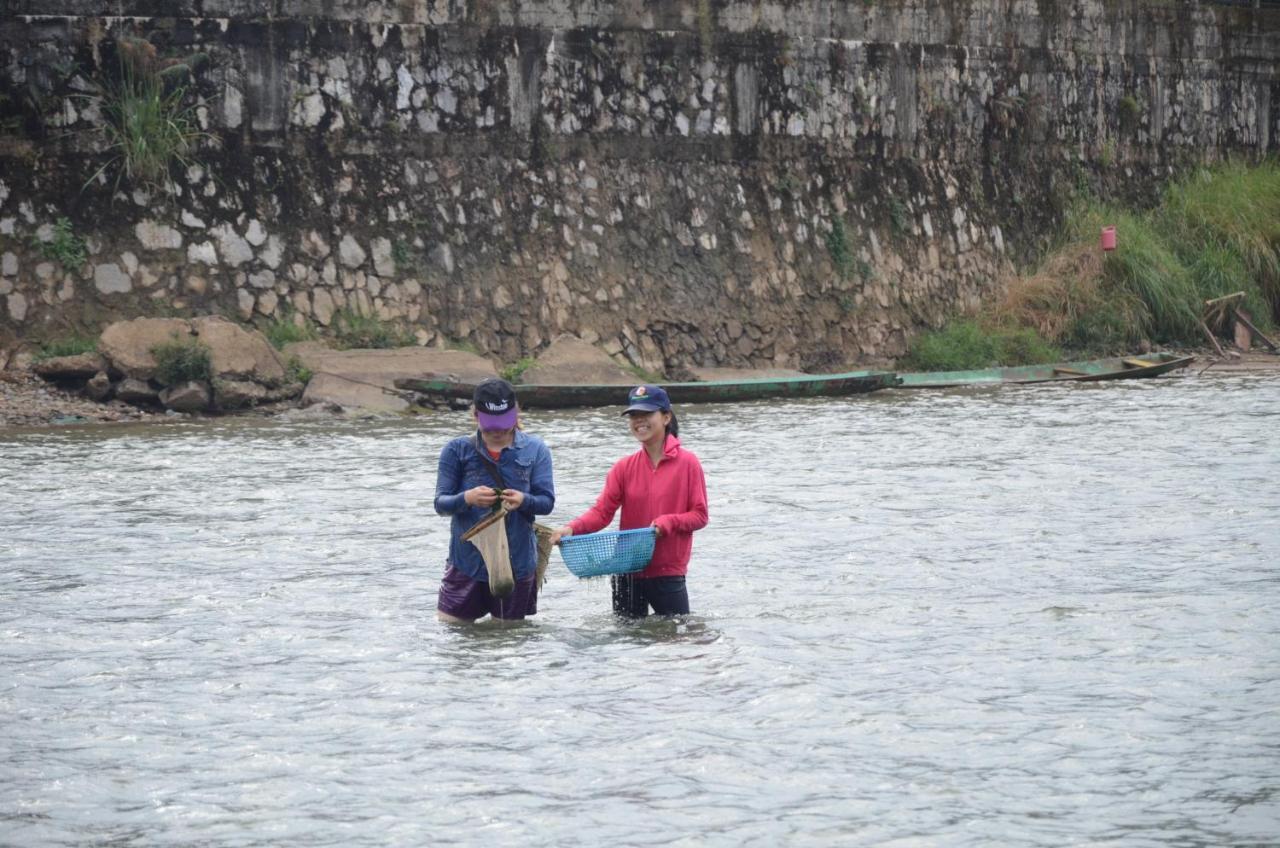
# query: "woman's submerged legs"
x,y
633,596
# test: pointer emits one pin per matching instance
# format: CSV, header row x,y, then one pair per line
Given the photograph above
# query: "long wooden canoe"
x,y
1118,368
547,396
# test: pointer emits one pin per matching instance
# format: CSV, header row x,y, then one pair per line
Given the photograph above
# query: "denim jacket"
x,y
526,466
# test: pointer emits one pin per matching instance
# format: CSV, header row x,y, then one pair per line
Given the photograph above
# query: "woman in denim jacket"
x,y
499,462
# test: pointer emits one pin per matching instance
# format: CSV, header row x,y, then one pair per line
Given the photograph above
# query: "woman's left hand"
x,y
657,531
512,498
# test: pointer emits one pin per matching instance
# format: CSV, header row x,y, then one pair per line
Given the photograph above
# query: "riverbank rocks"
x,y
127,344
191,396
81,366
27,400
245,370
569,359
98,387
136,392
237,353
365,379
238,394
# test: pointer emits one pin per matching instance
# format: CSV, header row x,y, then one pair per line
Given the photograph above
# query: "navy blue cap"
x,y
647,399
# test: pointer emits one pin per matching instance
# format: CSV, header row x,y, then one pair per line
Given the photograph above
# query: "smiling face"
x,y
648,427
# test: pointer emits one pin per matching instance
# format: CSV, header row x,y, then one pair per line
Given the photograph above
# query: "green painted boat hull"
x,y
1117,368
546,396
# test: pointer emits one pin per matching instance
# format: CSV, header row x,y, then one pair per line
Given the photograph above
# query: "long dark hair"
x,y
673,426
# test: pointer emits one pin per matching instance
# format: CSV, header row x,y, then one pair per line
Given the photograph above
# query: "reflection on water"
x,y
1037,616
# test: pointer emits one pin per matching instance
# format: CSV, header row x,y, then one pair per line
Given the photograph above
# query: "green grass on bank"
x,y
67,346
1214,233
289,329
353,330
966,345
1225,224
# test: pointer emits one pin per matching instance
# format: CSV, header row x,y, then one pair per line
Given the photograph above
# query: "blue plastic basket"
x,y
609,552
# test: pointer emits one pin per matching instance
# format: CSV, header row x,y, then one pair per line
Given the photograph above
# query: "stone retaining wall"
x,y
699,183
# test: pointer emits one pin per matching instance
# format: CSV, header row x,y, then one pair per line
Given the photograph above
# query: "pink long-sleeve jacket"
x,y
674,495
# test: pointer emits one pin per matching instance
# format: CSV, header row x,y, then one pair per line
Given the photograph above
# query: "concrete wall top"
x,y
1095,25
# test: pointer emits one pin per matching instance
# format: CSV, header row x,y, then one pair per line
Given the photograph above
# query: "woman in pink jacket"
x,y
659,486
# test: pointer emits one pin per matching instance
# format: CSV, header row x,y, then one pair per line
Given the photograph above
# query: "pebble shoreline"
x,y
29,401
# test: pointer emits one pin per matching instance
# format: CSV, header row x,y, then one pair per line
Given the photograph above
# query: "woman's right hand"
x,y
560,533
485,496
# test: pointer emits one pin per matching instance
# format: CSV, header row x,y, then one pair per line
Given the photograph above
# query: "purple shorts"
x,y
463,597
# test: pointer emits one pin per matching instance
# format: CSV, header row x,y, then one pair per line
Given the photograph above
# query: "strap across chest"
x,y
483,453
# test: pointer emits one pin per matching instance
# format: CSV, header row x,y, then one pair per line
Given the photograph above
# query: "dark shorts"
x,y
632,596
463,597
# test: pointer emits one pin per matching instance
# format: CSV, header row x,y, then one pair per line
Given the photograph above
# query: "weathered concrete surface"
x,y
799,184
570,360
366,378
353,393
711,374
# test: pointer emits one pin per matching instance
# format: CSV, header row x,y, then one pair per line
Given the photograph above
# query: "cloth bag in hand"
x,y
490,538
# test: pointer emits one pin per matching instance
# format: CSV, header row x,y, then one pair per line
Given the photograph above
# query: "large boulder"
x,y
571,361
237,394
366,378
191,396
98,387
137,392
237,353
82,366
127,344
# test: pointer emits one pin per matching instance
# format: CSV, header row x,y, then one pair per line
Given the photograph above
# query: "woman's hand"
x,y
512,498
657,529
560,533
484,496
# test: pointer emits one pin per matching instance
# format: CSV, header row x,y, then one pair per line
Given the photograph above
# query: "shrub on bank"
x,y
967,345
515,371
182,360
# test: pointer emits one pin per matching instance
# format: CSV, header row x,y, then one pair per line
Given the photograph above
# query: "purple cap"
x,y
495,402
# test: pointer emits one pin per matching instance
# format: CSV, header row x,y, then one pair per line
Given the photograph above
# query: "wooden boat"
x,y
547,396
1119,368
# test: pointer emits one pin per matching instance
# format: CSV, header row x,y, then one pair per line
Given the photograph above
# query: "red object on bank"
x,y
1108,238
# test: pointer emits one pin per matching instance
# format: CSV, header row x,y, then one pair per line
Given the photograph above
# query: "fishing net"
x,y
543,532
490,537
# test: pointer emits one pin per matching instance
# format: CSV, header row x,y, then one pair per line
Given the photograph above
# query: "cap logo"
x,y
496,405
639,392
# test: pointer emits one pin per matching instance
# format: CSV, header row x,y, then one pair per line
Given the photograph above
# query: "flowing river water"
x,y
1032,616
